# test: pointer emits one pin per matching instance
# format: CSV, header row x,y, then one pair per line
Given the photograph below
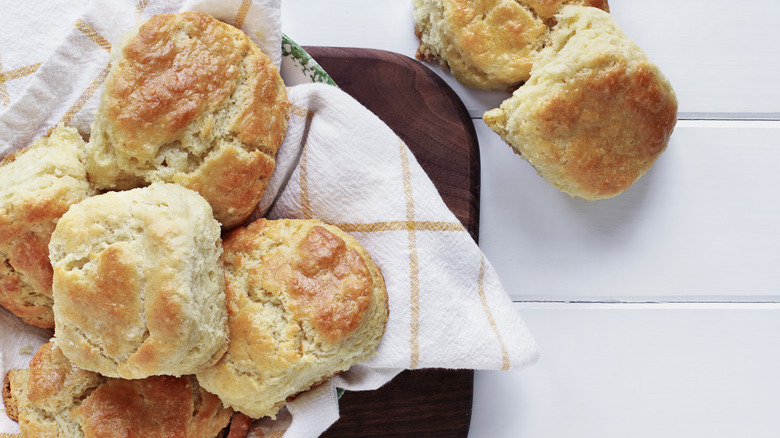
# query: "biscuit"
x,y
595,114
190,100
487,44
138,283
305,302
12,390
37,185
54,398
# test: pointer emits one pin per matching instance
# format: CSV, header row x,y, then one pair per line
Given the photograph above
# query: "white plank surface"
x,y
717,54
720,57
639,371
700,225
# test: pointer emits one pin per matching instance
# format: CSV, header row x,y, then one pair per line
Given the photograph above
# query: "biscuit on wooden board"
x,y
190,100
55,398
138,283
37,185
595,114
305,302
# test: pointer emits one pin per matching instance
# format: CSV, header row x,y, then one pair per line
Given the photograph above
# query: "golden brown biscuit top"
x,y
193,101
305,302
154,406
28,257
38,184
610,124
328,283
173,69
110,294
488,44
54,382
496,37
595,114
180,66
138,285
105,407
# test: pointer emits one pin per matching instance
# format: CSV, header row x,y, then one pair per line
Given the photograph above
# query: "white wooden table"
x,y
657,311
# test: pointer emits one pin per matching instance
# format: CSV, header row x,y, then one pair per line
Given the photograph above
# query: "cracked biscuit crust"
x,y
595,114
37,185
53,398
138,283
194,101
487,44
305,302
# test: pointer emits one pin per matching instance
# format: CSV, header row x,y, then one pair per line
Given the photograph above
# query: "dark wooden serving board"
x,y
432,121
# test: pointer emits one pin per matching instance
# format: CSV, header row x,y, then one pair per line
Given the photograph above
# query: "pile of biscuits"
x,y
170,313
588,110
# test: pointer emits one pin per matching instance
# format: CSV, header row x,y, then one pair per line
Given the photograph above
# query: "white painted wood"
x,y
717,54
700,225
639,371
386,25
721,57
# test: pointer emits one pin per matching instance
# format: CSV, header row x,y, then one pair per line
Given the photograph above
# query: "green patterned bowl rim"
x,y
304,62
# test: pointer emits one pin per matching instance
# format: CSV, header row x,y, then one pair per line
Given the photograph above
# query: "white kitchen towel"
x,y
339,163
